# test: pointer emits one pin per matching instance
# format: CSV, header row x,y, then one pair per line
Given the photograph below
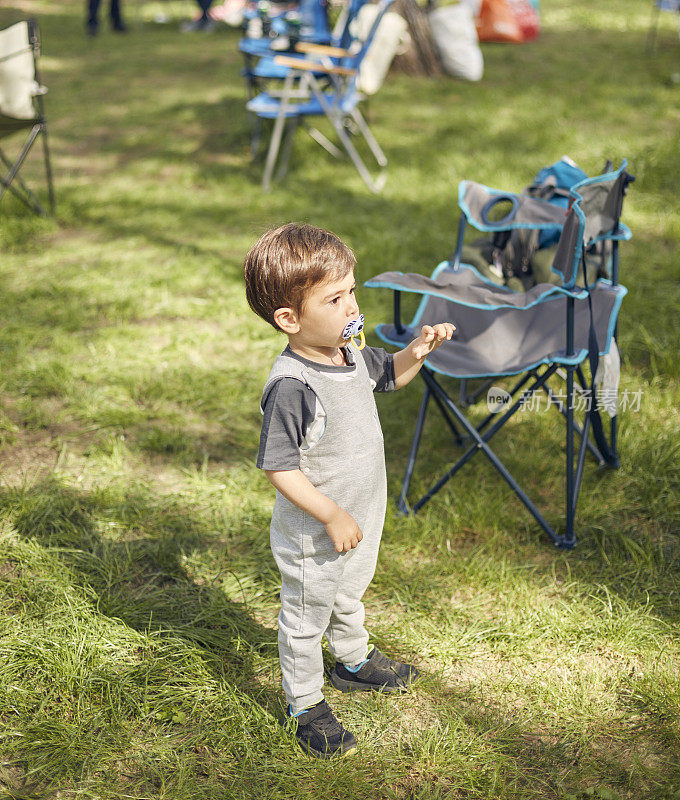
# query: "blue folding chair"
x,y
322,84
531,335
672,6
284,35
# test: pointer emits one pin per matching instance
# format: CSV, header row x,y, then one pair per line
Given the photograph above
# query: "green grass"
x,y
138,597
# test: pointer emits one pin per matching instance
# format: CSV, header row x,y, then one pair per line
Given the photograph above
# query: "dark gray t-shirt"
x,y
290,408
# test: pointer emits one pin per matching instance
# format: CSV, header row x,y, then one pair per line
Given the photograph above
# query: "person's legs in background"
x,y
92,24
205,21
116,20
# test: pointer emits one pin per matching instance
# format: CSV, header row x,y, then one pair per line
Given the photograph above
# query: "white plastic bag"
x,y
390,38
607,380
454,33
17,75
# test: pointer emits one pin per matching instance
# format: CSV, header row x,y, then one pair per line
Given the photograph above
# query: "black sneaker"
x,y
379,673
320,734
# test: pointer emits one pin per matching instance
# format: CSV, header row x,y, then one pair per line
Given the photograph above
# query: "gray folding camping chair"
x,y
530,335
21,108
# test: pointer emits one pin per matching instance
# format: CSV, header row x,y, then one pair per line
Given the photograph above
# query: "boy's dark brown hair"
x,y
285,263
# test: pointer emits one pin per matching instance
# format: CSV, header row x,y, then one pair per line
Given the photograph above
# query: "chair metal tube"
x,y
525,378
459,241
481,444
577,428
397,313
581,461
569,477
402,504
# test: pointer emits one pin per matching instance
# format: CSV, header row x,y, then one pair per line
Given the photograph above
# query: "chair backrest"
x,y
314,19
18,84
597,203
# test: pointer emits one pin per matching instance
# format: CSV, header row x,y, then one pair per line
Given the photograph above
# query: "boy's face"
x,y
327,309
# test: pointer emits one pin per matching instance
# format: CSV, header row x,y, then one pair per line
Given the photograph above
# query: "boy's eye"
x,y
334,300
351,291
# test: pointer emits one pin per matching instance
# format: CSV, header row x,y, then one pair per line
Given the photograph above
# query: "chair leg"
x,y
336,118
467,397
458,437
289,135
380,157
569,537
481,443
374,185
597,455
580,461
28,197
255,137
402,503
277,133
48,171
325,142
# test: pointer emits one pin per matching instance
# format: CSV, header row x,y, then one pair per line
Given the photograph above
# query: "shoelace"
x,y
328,726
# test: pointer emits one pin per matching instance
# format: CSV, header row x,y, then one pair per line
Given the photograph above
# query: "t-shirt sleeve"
x,y
380,365
288,408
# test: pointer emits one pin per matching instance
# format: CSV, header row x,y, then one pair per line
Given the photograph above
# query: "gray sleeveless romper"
x,y
321,589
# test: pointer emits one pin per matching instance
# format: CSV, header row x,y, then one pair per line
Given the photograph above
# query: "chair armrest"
x,y
321,50
312,66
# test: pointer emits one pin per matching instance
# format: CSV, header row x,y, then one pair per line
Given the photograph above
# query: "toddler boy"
x,y
321,447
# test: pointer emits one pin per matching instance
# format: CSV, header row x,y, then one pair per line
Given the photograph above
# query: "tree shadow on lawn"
x,y
139,574
142,577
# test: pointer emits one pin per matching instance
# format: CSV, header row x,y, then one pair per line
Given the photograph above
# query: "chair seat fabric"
x,y
510,339
268,107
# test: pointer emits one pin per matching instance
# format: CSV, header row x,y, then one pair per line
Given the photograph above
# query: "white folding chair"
x,y
21,108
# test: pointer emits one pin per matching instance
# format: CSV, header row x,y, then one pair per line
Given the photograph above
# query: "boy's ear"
x,y
287,320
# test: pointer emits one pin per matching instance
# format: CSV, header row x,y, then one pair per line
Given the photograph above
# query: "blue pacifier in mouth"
x,y
355,328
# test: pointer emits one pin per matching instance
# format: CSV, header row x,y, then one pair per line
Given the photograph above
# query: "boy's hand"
x,y
430,339
343,531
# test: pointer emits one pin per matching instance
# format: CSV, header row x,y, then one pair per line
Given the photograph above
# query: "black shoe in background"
x,y
379,674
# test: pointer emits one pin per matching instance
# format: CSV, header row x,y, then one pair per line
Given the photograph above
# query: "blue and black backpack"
x,y
522,258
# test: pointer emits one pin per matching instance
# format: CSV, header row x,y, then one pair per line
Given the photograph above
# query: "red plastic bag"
x,y
507,21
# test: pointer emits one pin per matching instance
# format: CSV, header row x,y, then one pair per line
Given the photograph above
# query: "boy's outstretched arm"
x,y
340,526
407,362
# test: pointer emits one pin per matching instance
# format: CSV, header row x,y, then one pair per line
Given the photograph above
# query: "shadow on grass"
x,y
141,578
140,574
